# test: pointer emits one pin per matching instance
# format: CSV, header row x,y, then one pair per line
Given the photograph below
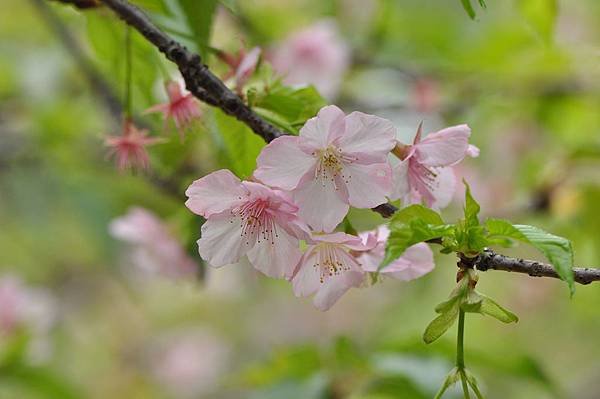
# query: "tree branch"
x,y
199,80
488,259
207,87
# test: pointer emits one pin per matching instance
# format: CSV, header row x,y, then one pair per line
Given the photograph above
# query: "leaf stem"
x,y
460,353
128,72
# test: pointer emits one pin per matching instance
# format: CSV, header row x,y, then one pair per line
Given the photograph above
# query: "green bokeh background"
x,y
524,75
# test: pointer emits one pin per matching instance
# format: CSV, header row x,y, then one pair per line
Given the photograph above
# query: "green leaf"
x,y
241,145
468,8
451,379
472,302
288,107
199,15
540,15
413,212
403,236
557,250
473,384
441,324
471,209
491,308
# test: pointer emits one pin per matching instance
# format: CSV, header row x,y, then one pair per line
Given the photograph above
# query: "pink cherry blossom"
x,y
243,64
129,149
415,262
423,174
155,249
182,107
316,55
335,162
329,268
246,218
190,363
24,307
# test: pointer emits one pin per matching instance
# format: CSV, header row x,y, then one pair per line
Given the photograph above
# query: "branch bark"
x,y
489,260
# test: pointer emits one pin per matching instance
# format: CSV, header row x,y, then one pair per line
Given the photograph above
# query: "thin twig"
x,y
489,260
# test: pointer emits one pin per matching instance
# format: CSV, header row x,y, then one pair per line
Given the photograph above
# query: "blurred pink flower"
x,y
190,363
316,55
182,107
156,250
423,174
415,262
425,94
246,218
337,161
24,307
243,64
129,148
329,268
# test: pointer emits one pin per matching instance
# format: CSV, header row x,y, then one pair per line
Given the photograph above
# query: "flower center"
x,y
256,222
328,262
330,164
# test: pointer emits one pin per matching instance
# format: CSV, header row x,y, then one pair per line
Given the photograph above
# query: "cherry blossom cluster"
x,y
302,190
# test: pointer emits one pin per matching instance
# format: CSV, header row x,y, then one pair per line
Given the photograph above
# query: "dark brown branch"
x,y
96,81
198,78
81,4
488,259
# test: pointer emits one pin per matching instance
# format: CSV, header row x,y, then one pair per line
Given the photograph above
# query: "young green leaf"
x,y
199,15
413,212
473,384
491,308
472,208
468,8
403,236
557,250
451,379
441,324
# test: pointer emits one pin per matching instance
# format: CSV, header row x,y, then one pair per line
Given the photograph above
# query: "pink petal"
x,y
348,240
415,262
165,109
368,137
336,286
282,163
444,148
221,241
320,131
215,193
321,206
276,259
247,67
400,183
307,278
368,185
443,188
473,151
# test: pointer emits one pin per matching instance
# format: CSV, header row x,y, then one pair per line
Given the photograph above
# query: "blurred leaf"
x,y
296,363
468,8
540,15
199,15
242,146
557,250
41,381
391,387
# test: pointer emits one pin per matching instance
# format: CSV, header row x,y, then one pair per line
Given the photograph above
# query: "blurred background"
x,y
102,293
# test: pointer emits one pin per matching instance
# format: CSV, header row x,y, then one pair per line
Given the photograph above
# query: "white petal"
x,y
221,241
283,164
368,185
369,137
321,206
215,193
307,279
318,132
400,184
277,258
